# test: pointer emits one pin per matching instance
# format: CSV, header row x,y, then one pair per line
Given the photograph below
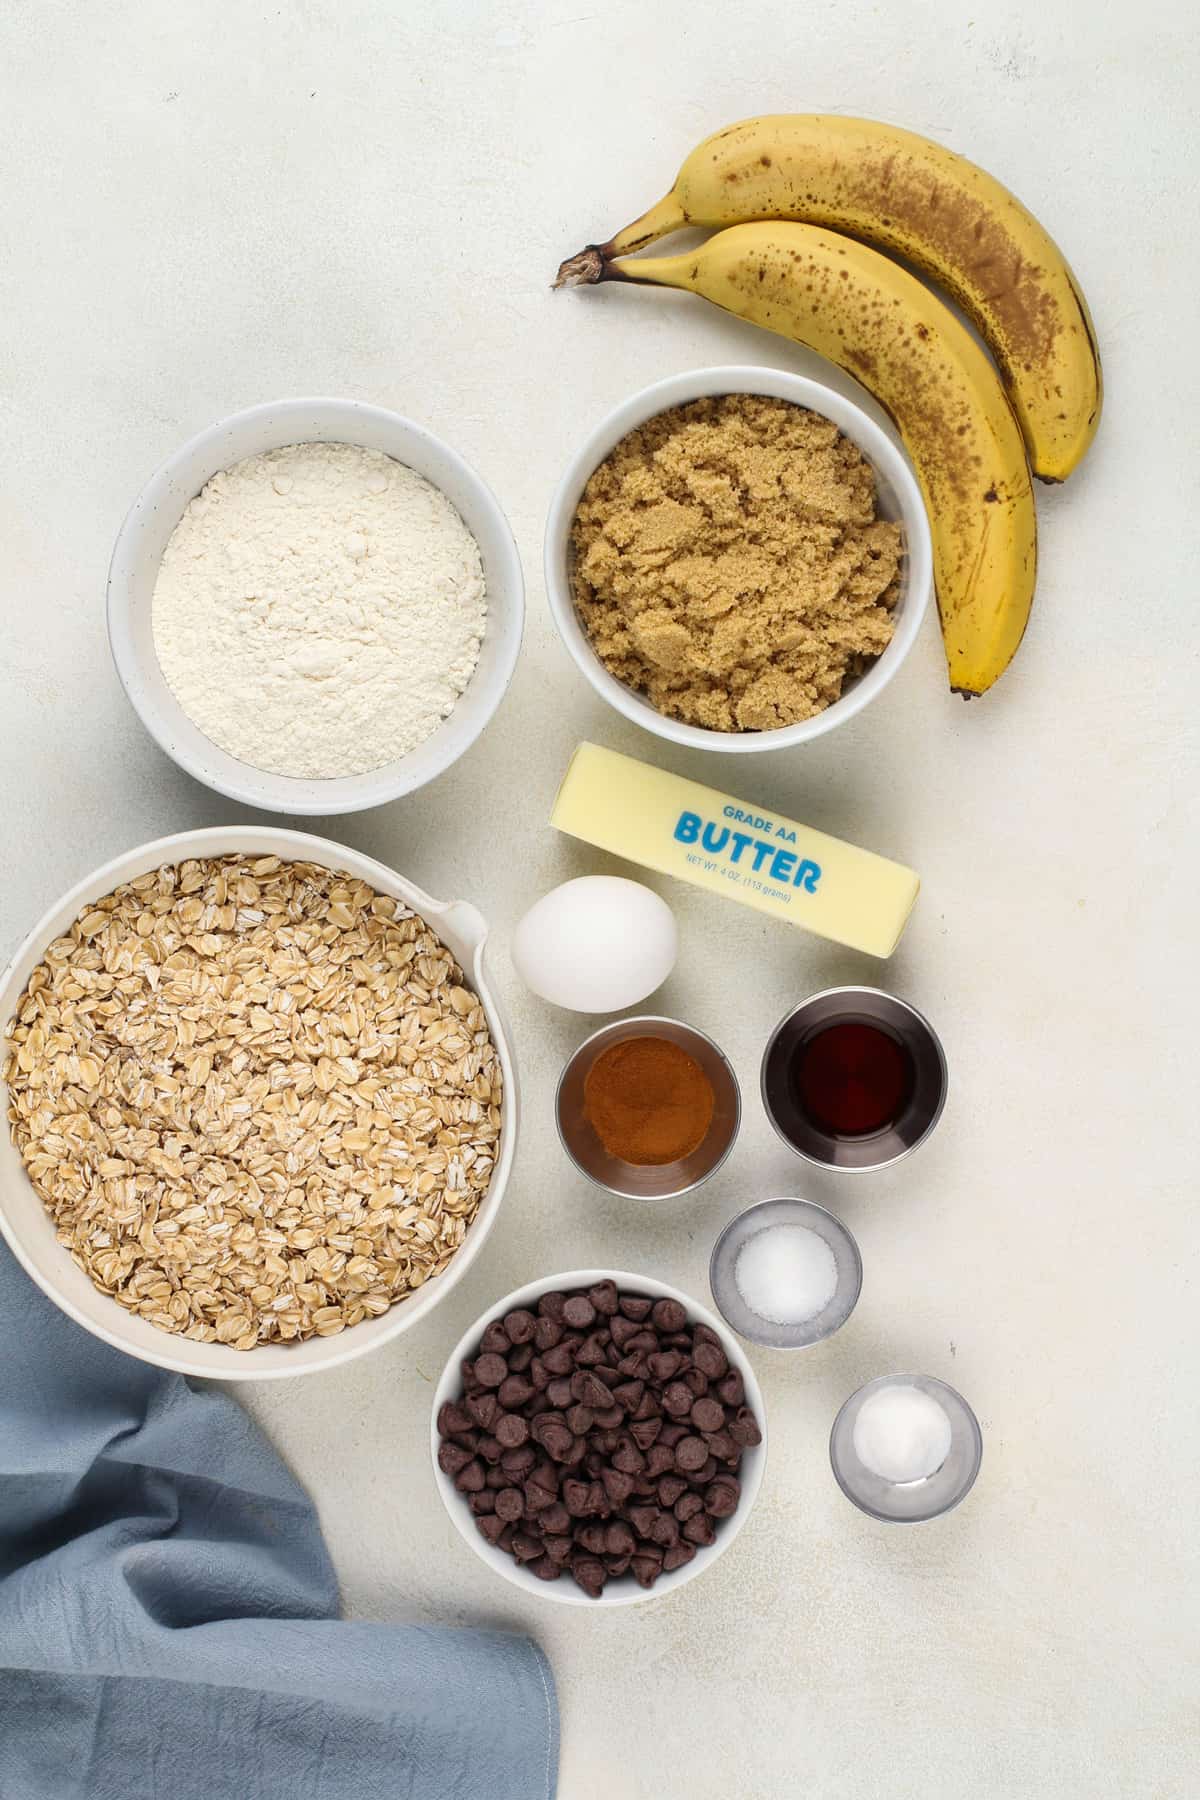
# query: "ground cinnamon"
x,y
648,1101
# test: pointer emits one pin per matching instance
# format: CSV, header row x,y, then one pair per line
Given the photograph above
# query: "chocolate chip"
x,y
558,1361
559,1394
647,1567
519,1326
698,1383
669,1315
545,1568
634,1306
553,1520
617,1565
677,1399
659,1457
525,1546
519,1358
495,1339
664,1364
550,1306
642,1519
484,1409
469,1479
546,1333
629,1394
593,1538
721,1497
590,1574
708,1415
490,1370
511,1430
709,1359
589,1390
610,1417
546,1476
575,1498
539,1374
515,1392
622,1330
703,1475
496,1477
699,1530
664,1531
722,1446
510,1503
618,1538
490,1449
677,1556
671,1434
490,1527
537,1498
558,1441
691,1453
617,1485
580,1419
732,1388
451,1418
644,1431
579,1312
744,1428
687,1506
519,1462
452,1458
628,1458
482,1502
604,1298
670,1488
558,1549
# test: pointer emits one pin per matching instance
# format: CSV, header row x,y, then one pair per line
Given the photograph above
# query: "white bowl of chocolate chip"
x,y
598,1438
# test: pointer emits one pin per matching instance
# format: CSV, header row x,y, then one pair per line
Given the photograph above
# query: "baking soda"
x,y
902,1434
786,1274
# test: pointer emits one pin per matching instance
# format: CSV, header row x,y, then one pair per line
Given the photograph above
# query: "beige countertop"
x,y
201,211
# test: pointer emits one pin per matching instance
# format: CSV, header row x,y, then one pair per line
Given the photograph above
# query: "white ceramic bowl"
x,y
625,1591
154,516
26,1224
899,498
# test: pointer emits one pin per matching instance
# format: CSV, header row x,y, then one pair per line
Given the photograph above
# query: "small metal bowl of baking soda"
x,y
315,606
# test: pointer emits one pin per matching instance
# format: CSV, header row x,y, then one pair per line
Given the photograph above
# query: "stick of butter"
x,y
682,828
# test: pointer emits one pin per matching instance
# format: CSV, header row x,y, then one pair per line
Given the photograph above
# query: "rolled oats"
x,y
257,1099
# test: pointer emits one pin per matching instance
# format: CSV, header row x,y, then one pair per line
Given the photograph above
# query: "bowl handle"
x,y
467,920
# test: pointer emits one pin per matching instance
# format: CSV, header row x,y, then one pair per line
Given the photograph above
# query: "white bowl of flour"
x,y
315,606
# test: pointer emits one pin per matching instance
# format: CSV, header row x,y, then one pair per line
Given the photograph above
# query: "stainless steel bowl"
x,y
776,1335
921,1111
638,1181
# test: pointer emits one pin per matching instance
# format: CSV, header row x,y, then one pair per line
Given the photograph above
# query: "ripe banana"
x,y
882,325
948,218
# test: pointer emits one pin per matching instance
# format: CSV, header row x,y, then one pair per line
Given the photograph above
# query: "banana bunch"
x,y
781,192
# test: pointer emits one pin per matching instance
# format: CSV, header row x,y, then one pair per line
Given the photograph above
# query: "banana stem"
x,y
591,264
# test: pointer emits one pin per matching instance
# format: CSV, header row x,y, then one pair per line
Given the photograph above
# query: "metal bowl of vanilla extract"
x,y
854,1078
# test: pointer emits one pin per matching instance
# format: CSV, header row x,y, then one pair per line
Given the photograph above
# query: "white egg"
x,y
596,945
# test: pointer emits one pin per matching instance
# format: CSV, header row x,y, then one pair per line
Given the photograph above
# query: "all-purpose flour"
x,y
319,610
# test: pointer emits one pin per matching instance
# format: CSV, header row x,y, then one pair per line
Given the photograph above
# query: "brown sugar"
x,y
729,563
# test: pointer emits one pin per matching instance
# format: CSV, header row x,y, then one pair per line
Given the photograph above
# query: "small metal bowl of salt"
x,y
786,1274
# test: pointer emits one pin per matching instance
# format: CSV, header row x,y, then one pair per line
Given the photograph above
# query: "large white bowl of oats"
x,y
261,1105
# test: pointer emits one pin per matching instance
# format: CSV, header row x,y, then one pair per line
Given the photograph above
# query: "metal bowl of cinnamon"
x,y
648,1108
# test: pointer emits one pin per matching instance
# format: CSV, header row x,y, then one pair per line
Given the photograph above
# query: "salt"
x,y
786,1274
902,1434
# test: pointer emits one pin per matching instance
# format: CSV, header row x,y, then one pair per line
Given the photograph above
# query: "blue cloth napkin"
x,y
168,1611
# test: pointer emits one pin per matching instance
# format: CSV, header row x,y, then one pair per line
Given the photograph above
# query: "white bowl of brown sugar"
x,y
738,559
